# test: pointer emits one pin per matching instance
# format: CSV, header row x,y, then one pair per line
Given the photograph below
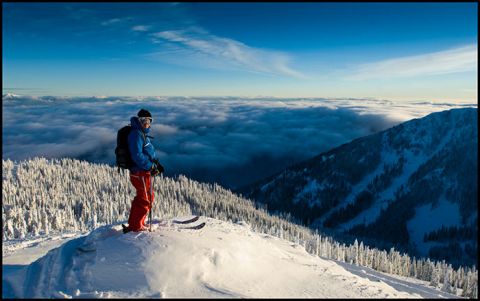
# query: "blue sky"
x,y
399,51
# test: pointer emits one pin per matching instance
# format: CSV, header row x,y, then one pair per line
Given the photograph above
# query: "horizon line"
x,y
373,98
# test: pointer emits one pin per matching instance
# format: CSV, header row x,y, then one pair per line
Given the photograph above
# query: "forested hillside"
x,y
43,196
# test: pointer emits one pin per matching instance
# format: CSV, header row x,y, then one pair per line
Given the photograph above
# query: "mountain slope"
x,y
391,188
222,260
46,200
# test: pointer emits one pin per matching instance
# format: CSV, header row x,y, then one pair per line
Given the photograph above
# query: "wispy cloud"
x,y
141,28
111,21
443,62
197,44
115,21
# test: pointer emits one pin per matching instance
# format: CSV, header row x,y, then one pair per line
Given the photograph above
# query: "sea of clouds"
x,y
231,141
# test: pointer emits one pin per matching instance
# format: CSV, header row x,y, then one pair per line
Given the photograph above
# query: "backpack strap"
x,y
144,138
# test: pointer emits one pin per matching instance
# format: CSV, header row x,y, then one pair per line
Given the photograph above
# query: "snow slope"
x,y
221,260
384,189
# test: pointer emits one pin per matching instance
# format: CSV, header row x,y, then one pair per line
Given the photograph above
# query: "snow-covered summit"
x,y
413,186
10,96
221,260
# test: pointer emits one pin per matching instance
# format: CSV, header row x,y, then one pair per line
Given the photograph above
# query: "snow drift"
x,y
221,260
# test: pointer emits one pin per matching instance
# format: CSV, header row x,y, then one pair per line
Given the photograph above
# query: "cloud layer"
x,y
230,141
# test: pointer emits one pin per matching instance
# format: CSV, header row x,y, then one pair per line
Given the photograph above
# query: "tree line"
x,y
43,196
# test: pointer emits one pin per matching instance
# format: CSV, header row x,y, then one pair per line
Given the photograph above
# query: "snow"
x,y
412,163
309,191
223,260
27,251
356,189
426,220
399,283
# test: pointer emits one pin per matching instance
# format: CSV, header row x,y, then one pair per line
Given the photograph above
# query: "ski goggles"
x,y
144,120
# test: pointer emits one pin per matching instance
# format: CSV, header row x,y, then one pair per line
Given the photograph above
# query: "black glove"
x,y
159,166
154,170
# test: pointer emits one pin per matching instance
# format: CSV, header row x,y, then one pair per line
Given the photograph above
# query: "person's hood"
x,y
137,125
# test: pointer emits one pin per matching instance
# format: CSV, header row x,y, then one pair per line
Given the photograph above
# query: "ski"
x,y
197,227
188,221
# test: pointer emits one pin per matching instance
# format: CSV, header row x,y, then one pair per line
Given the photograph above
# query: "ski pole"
x,y
151,202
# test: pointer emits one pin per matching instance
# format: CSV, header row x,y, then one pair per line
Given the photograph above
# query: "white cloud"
x,y
197,44
443,62
141,28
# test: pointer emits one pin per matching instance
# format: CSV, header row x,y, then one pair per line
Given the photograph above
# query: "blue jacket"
x,y
142,156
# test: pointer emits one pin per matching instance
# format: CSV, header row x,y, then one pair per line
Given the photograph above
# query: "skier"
x,y
145,167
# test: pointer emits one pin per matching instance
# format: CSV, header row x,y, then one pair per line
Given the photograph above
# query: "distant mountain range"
x,y
10,96
413,186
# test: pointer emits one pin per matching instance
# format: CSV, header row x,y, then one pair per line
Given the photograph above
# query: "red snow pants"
x,y
143,201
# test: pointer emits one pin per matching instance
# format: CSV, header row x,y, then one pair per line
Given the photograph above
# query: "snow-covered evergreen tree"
x,y
41,196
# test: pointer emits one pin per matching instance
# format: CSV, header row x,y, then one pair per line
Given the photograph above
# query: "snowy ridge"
x,y
42,198
10,96
411,163
373,188
223,260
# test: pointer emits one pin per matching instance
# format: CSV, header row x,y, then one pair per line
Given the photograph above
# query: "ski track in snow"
x,y
421,288
222,260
